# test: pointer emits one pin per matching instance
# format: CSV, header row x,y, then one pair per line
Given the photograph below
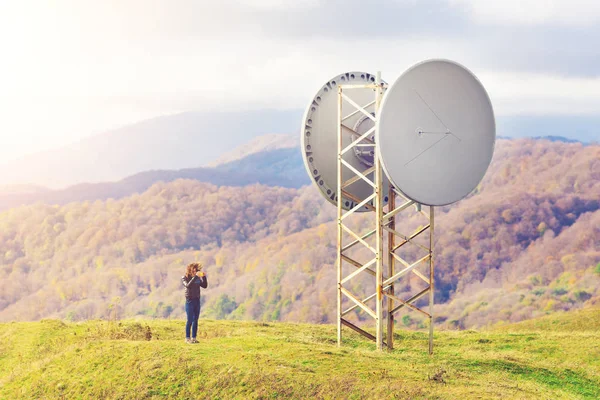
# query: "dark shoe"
x,y
193,340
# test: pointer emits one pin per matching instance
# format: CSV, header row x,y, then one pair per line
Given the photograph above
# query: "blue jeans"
x,y
192,309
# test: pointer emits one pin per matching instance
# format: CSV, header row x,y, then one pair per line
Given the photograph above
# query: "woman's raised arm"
x,y
187,283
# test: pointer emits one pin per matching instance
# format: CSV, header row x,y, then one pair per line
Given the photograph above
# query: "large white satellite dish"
x,y
319,138
436,132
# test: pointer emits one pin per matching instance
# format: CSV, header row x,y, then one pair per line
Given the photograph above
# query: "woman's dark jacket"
x,y
192,286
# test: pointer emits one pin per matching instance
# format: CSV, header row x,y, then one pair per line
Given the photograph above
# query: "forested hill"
x,y
524,244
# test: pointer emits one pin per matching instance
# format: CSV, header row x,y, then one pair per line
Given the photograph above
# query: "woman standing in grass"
x,y
193,279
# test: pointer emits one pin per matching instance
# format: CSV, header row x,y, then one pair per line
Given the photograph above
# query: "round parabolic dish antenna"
x,y
319,138
436,132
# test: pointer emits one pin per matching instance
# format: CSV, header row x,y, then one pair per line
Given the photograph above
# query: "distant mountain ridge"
x,y
281,167
186,140
259,144
206,139
558,139
21,189
551,138
580,128
272,159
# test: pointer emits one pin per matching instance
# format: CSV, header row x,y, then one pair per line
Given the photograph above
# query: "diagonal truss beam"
x,y
417,205
357,178
407,303
344,227
420,275
356,306
357,172
358,302
411,300
364,301
357,264
351,244
399,209
405,270
401,260
358,107
358,206
348,130
395,232
359,270
353,113
358,330
414,270
360,139
411,237
356,199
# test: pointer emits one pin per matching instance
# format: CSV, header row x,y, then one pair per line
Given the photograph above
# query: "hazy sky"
x,y
69,69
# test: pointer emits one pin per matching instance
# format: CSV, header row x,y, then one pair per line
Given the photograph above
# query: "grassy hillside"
x,y
582,320
234,359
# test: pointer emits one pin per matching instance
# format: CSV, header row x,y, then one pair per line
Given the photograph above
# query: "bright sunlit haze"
x,y
74,68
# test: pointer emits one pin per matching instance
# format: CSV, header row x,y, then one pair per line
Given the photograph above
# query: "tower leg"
x,y
391,270
379,228
379,248
339,219
431,281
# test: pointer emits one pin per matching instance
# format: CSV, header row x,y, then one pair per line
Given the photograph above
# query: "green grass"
x,y
148,359
586,320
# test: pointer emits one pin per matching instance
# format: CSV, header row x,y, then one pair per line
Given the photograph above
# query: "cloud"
x,y
275,4
274,75
139,58
575,13
555,51
534,94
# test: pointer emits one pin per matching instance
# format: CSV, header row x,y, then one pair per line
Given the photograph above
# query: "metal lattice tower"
x,y
384,220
